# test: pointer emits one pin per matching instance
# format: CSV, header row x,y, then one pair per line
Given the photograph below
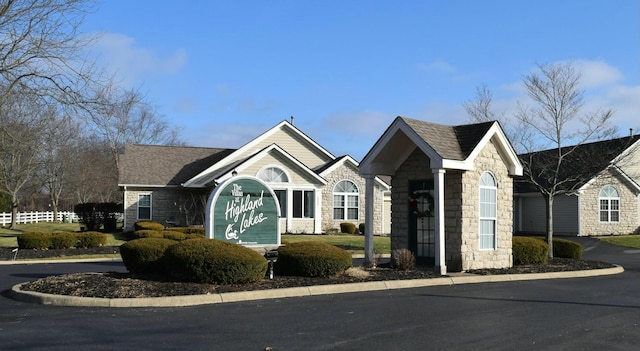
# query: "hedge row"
x,y
564,248
195,260
60,240
167,234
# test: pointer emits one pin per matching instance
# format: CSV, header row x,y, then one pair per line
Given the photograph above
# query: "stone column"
x,y
369,260
438,182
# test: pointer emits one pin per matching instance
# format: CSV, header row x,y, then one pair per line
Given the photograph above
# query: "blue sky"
x,y
225,71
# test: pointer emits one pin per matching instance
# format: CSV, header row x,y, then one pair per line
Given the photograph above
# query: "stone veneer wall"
x,y
461,210
187,208
590,208
489,160
351,174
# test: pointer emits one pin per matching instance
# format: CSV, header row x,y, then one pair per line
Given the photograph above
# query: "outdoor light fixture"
x,y
234,173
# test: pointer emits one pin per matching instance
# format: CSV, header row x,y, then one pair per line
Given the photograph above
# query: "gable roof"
x,y
448,147
155,165
205,176
586,162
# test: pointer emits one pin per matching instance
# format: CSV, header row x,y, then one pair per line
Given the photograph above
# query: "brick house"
x,y
602,199
316,190
451,192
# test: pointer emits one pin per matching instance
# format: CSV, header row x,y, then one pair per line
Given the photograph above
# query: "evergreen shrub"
x,y
34,240
361,228
147,225
91,239
528,250
63,240
145,255
564,248
214,261
189,230
347,228
312,259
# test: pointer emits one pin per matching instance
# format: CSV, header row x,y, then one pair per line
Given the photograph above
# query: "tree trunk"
x,y
14,214
550,224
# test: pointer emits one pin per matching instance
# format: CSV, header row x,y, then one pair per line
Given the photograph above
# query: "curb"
x,y
79,260
193,300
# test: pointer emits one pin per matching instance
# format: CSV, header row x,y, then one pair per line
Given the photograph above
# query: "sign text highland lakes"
x,y
244,211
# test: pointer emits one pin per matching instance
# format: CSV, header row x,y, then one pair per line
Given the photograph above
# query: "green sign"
x,y
245,211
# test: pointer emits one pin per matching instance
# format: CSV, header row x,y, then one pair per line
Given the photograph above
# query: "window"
x,y
282,201
488,211
609,204
273,175
303,203
144,206
346,201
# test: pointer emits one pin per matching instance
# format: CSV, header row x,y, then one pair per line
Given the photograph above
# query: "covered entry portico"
x,y
440,209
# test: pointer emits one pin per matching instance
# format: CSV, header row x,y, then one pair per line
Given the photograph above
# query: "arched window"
x,y
488,211
273,175
609,204
346,201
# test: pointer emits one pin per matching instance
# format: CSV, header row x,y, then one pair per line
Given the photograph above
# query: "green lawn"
x,y
623,240
351,243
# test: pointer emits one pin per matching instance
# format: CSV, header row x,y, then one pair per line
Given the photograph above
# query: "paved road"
x,y
600,313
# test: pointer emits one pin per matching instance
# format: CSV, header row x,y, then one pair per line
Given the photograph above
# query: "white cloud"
x,y
122,56
437,66
596,73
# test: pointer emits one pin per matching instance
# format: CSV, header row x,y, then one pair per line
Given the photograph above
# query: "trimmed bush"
x,y
361,228
564,248
91,239
34,240
147,233
312,259
63,240
529,250
147,225
145,255
189,230
347,228
214,261
403,259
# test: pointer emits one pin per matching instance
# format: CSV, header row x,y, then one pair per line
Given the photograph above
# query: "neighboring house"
x,y
602,199
451,192
316,190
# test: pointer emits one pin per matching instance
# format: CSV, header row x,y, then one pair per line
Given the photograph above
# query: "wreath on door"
x,y
413,204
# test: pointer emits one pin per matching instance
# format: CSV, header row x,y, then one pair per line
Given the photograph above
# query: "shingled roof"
x,y
583,164
155,165
450,142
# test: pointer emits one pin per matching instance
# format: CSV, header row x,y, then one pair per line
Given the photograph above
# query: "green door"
x,y
422,231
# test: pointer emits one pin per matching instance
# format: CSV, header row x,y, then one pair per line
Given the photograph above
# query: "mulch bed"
x,y
126,285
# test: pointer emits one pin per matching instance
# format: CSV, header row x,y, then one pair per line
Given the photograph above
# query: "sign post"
x,y
243,210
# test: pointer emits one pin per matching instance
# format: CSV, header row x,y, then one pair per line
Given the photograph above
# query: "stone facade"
x,y
351,174
590,223
461,202
168,206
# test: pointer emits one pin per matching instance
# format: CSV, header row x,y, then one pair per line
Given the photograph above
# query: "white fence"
x,y
35,217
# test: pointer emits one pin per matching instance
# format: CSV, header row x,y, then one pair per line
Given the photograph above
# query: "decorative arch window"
x,y
609,204
346,201
488,211
273,175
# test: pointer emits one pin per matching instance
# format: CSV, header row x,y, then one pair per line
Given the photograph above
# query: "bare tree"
x,y
123,117
548,131
480,109
59,139
20,124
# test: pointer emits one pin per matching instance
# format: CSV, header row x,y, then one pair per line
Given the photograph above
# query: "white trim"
x,y
481,218
234,156
274,166
226,173
150,206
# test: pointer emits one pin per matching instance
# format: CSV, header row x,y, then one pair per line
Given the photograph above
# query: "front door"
x,y
422,230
